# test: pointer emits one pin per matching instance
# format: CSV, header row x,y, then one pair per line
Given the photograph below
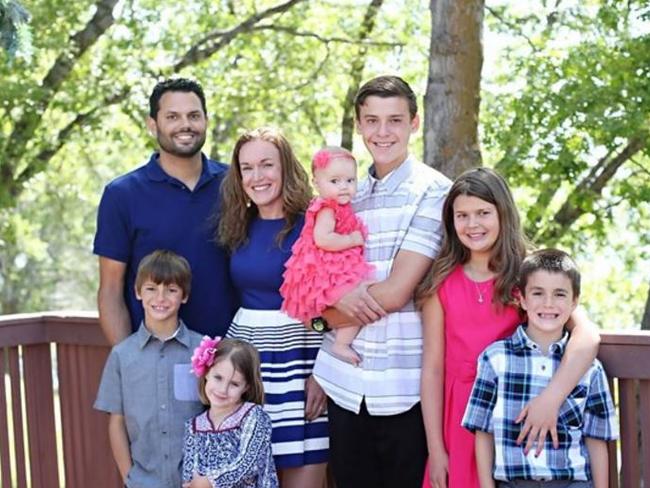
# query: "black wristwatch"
x,y
319,324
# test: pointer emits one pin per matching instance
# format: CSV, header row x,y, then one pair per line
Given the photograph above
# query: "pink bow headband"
x,y
203,357
323,157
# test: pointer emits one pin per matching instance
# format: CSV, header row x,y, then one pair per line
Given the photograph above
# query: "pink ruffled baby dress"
x,y
315,279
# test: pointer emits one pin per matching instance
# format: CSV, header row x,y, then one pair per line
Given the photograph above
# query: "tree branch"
x,y
328,40
48,152
592,185
356,72
512,26
217,40
78,44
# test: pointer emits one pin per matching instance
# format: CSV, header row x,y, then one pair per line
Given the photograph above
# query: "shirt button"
x,y
163,406
543,367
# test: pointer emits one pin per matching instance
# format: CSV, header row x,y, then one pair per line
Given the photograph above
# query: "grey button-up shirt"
x,y
150,383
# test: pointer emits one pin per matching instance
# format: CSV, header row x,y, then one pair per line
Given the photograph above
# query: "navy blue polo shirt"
x,y
147,209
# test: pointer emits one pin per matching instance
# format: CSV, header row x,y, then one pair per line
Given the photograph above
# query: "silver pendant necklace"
x,y
478,290
480,295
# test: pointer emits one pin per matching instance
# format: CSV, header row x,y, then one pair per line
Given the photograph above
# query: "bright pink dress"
x,y
315,279
470,326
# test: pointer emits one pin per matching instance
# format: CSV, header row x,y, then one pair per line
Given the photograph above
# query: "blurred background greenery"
x,y
564,114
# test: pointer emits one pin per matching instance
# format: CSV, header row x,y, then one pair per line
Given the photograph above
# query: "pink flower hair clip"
x,y
203,357
321,159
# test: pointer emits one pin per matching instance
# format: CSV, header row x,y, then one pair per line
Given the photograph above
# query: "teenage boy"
x,y
513,371
169,203
147,386
376,431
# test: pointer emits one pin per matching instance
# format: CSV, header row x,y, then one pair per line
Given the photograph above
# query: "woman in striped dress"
x,y
265,194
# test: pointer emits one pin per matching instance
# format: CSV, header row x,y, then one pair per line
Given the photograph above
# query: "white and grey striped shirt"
x,y
402,212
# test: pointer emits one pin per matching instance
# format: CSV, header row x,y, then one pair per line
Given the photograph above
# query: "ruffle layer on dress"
x,y
315,279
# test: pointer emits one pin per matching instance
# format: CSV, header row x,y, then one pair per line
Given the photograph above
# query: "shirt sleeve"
x,y
478,414
424,234
109,396
600,414
254,458
189,452
113,236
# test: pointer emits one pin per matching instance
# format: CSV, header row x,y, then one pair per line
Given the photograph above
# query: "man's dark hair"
x,y
552,261
385,87
174,85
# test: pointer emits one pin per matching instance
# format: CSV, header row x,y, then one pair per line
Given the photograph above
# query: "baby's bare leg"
x,y
342,344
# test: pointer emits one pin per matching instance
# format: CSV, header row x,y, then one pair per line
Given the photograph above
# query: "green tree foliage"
x,y
569,124
72,117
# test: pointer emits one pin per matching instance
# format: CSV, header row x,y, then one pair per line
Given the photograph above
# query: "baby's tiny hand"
x,y
357,238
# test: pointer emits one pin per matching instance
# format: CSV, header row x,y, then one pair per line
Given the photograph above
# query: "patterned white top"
x,y
403,212
235,454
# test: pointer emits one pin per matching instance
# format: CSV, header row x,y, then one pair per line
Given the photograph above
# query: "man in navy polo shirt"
x,y
169,203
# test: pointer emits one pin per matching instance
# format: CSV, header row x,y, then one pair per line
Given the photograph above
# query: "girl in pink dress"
x,y
468,300
327,259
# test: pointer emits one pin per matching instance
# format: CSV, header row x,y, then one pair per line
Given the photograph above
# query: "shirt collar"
x,y
155,172
393,179
181,334
521,341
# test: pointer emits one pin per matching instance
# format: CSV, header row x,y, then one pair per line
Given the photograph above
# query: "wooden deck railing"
x,y
39,449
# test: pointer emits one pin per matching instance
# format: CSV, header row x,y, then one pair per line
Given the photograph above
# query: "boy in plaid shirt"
x,y
513,371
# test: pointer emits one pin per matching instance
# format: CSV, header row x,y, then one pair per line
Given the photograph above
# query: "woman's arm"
x,y
325,237
431,389
541,413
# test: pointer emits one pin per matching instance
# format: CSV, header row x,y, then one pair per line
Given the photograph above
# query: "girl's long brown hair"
x,y
236,209
508,250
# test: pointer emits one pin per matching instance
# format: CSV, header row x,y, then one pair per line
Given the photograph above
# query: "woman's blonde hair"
x,y
237,210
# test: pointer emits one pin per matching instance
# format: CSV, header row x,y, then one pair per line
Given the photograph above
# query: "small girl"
x,y
468,300
228,445
327,259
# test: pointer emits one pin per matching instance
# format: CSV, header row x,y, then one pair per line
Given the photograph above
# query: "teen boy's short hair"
x,y
552,261
385,87
174,85
165,267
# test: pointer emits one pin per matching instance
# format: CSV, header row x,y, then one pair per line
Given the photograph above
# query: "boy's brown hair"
x,y
386,87
167,267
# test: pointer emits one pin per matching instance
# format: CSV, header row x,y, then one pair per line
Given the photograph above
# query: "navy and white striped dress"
x,y
287,350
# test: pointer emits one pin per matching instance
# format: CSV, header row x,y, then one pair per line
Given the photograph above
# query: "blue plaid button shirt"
x,y
513,371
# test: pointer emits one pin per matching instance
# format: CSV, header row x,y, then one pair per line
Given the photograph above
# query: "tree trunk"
x,y
451,103
356,72
645,321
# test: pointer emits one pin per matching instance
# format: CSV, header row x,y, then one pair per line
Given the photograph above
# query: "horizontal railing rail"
x,y
51,364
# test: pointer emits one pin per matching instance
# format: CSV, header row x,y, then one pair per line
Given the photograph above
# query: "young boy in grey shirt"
x,y
147,386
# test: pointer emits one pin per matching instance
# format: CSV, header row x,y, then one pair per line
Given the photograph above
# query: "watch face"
x,y
318,324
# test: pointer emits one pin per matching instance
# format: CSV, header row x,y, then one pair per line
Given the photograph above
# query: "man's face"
x,y
180,125
385,125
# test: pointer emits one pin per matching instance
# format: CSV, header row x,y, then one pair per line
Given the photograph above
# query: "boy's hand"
x,y
358,303
540,415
